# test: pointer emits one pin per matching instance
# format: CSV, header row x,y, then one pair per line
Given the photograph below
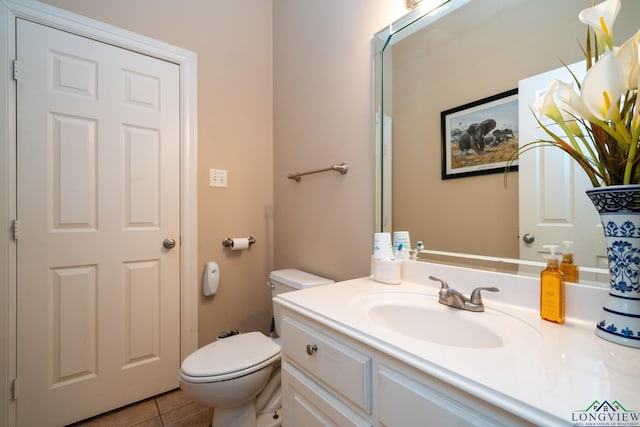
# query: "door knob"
x,y
169,243
528,238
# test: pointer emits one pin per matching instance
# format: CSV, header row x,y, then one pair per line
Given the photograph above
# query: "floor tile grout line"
x,y
155,401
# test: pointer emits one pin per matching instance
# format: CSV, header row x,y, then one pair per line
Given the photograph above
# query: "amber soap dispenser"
x,y
552,289
568,265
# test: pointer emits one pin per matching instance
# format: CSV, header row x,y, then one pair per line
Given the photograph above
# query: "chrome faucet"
x,y
455,299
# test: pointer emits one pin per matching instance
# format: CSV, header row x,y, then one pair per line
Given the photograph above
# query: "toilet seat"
x,y
230,357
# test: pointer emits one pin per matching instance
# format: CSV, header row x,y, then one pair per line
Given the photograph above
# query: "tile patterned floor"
x,y
172,409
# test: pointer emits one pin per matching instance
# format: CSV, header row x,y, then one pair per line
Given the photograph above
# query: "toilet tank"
x,y
288,280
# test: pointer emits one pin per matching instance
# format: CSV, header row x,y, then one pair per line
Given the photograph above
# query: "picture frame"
x,y
480,137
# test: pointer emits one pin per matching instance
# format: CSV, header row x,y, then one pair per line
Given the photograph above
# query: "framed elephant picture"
x,y
480,137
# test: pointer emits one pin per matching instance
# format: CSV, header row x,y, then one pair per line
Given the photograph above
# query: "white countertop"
x,y
543,376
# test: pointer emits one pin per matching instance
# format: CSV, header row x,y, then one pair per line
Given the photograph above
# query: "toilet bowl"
x,y
229,373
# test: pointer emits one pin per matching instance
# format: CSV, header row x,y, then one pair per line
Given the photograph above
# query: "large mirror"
x,y
448,54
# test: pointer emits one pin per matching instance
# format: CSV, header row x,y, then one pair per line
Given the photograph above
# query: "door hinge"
x,y
14,389
16,70
16,229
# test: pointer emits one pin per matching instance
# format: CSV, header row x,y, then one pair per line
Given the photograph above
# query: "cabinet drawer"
x,y
409,402
341,367
307,404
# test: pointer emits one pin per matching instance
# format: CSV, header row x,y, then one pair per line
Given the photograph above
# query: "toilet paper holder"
x,y
228,241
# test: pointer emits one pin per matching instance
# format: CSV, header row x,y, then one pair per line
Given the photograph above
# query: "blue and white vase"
x,y
619,209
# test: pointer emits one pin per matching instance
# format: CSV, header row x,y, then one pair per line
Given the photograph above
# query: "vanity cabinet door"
x,y
410,401
329,361
307,404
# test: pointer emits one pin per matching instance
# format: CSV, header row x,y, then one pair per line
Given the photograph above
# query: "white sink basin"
x,y
421,317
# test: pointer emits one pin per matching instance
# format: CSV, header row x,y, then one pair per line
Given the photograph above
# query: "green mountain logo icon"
x,y
614,406
606,413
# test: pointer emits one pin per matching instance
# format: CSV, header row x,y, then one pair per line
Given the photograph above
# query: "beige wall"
x,y
322,115
233,40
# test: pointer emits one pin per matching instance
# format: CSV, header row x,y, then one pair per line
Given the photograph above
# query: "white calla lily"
x,y
597,121
571,101
560,112
545,105
602,88
627,54
635,120
601,18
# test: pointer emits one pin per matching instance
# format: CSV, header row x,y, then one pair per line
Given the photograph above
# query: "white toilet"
x,y
229,373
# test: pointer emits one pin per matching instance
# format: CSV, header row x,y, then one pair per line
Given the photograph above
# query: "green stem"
x,y
631,159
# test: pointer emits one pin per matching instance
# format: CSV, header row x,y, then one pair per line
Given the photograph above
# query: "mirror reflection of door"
x,y
553,204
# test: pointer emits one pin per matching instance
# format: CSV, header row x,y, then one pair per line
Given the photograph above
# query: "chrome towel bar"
x,y
343,168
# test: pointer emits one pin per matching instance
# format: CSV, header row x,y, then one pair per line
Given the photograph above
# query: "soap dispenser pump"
x,y
568,266
552,288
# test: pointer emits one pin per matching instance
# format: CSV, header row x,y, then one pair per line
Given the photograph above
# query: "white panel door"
x,y
553,204
98,310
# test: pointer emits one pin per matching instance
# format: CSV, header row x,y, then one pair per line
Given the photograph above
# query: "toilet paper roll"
x,y
240,243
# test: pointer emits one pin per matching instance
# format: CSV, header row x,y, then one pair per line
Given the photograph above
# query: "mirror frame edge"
x,y
426,13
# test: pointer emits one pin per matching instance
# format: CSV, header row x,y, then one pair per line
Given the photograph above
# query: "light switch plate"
x,y
218,178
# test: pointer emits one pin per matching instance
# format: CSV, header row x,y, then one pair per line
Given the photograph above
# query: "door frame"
x,y
86,27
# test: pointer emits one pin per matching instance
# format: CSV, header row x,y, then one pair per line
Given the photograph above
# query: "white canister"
x,y
401,238
387,271
382,248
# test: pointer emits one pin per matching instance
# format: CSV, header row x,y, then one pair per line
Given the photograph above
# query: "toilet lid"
x,y
228,355
298,279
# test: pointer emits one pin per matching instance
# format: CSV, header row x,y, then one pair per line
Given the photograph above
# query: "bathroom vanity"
x,y
362,353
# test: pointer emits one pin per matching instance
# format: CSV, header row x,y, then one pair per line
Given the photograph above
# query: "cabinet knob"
x,y
311,348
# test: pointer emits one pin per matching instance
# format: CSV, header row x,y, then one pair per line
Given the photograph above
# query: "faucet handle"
x,y
444,292
442,282
476,297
